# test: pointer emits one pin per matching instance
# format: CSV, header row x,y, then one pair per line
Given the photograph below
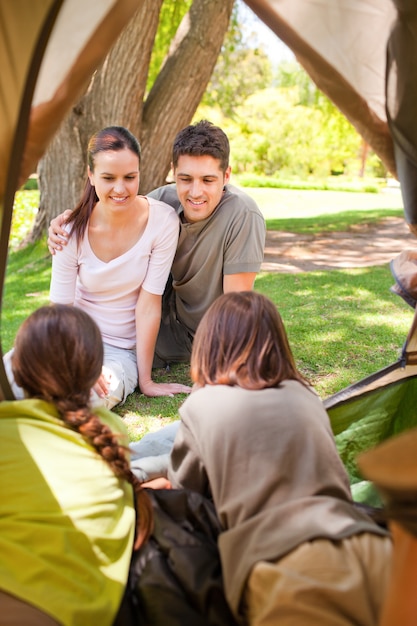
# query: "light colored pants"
x,y
7,361
119,366
15,612
321,583
150,456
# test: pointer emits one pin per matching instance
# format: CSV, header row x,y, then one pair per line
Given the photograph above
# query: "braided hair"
x,y
58,357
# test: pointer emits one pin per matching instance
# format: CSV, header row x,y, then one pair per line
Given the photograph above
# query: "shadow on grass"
x,y
342,325
336,222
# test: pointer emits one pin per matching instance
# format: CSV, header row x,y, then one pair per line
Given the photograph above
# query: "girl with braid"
x,y
67,512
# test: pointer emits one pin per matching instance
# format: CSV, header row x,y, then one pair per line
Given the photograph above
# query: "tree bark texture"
x,y
113,97
181,84
116,95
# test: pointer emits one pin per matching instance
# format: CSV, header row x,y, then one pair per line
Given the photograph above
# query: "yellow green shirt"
x,y
66,521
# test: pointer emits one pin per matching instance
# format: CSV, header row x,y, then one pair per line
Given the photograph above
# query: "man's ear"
x,y
227,174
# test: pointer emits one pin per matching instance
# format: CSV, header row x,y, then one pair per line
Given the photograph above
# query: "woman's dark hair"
x,y
58,357
112,138
241,340
202,139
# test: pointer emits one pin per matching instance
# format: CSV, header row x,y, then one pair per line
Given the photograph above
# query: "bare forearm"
x,y
238,282
148,320
147,332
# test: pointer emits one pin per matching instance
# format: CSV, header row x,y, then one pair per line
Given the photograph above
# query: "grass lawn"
x,y
342,324
295,203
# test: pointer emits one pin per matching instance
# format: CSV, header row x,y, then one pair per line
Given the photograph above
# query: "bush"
x,y
31,184
326,184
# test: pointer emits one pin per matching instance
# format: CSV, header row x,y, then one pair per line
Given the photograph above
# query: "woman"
x,y
255,436
116,263
67,515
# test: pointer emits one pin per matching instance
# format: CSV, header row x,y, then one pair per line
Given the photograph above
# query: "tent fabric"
x,y
362,54
365,420
82,36
22,44
401,94
62,42
21,33
373,410
342,46
49,50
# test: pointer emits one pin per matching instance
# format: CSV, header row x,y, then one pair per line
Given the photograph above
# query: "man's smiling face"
x,y
200,185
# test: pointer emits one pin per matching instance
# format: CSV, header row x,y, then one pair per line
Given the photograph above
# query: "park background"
x,y
307,168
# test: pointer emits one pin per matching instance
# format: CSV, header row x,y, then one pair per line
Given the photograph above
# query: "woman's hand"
x,y
152,389
102,385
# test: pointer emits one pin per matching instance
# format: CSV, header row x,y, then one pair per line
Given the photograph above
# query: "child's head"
x,y
241,340
58,356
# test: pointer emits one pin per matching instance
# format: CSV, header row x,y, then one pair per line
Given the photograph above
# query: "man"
x,y
221,240
220,249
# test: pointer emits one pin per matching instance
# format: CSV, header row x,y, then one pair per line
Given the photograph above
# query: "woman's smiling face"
x,y
115,176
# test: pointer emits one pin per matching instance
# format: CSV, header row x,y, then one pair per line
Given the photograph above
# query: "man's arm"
x,y
57,236
238,282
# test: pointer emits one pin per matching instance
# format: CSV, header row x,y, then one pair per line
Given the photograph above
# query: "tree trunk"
x,y
364,156
181,84
116,96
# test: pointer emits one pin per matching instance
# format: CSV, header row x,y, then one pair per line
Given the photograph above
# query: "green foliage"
x,y
319,184
274,134
25,208
170,18
30,184
26,287
342,324
340,139
282,125
240,70
290,74
343,221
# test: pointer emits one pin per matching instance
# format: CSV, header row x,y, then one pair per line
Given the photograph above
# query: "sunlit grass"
x,y
24,212
343,221
283,204
26,288
342,324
